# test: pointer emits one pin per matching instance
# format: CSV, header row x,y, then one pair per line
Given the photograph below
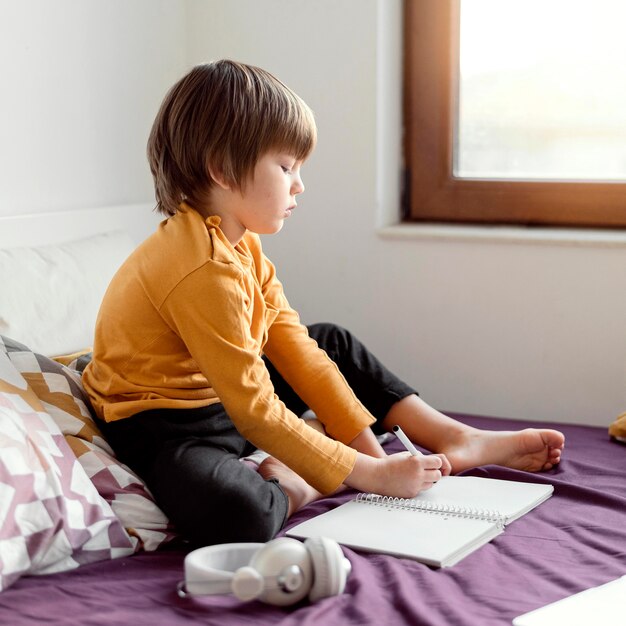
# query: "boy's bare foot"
x,y
531,449
299,492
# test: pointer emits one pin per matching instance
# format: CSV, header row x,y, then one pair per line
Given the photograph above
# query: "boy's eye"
x,y
287,170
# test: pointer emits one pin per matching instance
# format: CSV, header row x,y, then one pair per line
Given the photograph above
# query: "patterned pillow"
x,y
60,392
51,516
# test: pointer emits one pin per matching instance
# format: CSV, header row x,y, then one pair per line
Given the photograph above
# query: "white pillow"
x,y
50,295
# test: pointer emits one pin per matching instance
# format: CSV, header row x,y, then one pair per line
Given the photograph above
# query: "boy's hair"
x,y
225,115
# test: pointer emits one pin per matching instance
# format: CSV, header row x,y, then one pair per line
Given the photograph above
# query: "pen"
x,y
405,441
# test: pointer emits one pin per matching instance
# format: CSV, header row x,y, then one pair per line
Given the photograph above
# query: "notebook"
x,y
599,605
438,527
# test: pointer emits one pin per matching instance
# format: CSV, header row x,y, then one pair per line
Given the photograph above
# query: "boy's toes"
x,y
553,438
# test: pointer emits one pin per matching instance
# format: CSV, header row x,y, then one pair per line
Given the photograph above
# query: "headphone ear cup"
x,y
330,568
288,562
247,584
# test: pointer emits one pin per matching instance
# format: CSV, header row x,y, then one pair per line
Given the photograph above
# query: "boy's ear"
x,y
218,176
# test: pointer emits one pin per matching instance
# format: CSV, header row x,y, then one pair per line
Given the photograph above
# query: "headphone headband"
x,y
210,570
281,572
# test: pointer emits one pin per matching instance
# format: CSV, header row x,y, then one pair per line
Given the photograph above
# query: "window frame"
x,y
432,191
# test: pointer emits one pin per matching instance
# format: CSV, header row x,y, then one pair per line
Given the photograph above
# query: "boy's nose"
x,y
298,186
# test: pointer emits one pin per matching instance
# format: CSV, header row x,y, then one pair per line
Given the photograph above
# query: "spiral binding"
x,y
431,507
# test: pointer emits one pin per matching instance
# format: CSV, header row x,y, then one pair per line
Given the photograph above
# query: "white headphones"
x,y
280,572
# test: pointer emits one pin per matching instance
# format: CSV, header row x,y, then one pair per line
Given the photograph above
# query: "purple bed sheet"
x,y
575,540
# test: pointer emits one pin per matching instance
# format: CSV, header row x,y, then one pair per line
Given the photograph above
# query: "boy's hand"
x,y
400,475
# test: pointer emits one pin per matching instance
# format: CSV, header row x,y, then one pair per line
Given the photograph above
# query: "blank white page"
x,y
433,538
509,498
604,605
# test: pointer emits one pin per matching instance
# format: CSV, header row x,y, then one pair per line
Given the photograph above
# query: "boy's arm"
x,y
211,312
228,356
307,368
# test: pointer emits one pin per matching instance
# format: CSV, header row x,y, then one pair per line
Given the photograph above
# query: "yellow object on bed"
x,y
617,430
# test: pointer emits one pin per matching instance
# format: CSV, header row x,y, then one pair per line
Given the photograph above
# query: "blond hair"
x,y
224,115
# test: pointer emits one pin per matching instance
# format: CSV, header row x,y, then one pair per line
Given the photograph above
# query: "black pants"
x,y
189,458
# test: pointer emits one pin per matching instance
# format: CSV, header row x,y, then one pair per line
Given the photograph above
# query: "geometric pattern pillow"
x,y
60,391
51,516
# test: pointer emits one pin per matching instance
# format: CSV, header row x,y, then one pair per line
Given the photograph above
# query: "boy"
x,y
199,359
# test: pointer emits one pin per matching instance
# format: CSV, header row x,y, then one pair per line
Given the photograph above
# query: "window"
x,y
515,112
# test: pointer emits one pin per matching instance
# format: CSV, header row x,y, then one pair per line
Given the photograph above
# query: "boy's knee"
x,y
255,514
331,337
329,332
326,328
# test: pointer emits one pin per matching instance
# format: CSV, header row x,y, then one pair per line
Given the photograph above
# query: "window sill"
x,y
506,234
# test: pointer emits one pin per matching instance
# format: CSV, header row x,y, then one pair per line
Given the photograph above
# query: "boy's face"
x,y
266,200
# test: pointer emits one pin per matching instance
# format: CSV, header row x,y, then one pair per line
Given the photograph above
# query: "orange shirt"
x,y
184,323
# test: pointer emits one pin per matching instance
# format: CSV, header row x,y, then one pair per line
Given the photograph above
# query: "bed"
x,y
82,541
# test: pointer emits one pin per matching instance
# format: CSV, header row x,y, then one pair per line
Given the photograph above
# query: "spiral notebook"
x,y
439,527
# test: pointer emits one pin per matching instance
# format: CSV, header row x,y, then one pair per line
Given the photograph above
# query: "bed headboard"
x,y
40,229
55,268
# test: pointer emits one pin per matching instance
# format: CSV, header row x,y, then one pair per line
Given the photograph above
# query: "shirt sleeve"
x,y
308,369
211,311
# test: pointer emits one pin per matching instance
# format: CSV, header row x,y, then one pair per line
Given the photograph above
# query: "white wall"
x,y
80,81
523,330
